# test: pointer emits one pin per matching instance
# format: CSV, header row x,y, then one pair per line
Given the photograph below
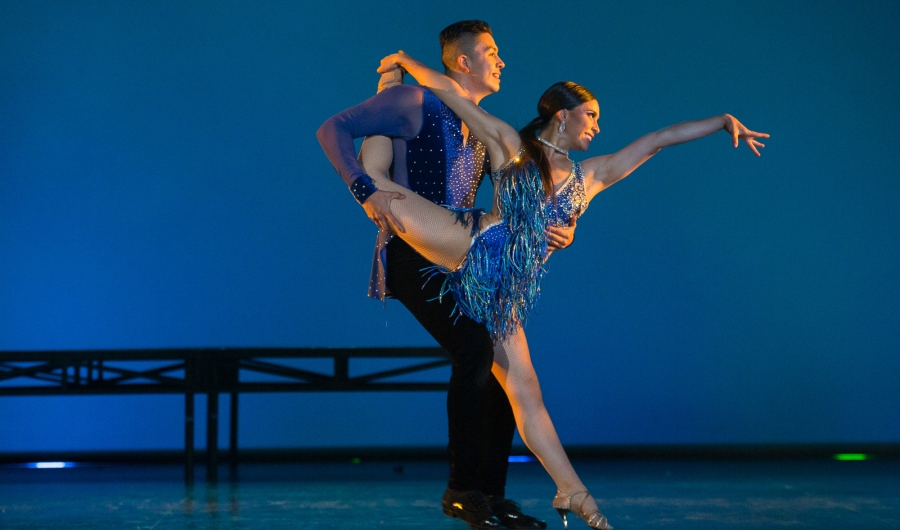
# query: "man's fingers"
x,y
392,225
559,237
398,226
383,223
554,241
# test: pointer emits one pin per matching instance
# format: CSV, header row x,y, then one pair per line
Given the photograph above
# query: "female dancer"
x,y
495,266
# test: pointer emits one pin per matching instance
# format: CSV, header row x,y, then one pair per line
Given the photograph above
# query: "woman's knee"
x,y
525,392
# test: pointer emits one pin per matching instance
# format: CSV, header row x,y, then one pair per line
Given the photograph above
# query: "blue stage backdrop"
x,y
161,186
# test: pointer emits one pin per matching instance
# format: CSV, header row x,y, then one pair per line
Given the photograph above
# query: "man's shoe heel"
x,y
471,507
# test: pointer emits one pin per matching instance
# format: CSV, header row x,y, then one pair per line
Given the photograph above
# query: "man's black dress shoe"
x,y
510,514
471,507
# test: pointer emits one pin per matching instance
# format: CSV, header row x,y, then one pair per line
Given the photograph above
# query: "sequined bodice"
x,y
571,199
465,161
441,165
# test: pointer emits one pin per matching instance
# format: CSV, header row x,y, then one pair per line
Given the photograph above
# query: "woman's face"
x,y
581,125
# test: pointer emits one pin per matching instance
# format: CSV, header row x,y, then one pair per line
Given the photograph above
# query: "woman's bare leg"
x,y
513,369
433,231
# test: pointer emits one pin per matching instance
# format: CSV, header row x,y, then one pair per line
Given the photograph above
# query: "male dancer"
x,y
433,155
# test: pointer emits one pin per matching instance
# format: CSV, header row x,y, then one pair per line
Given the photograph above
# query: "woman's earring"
x,y
562,127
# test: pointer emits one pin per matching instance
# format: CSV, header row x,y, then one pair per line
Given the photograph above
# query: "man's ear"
x,y
463,63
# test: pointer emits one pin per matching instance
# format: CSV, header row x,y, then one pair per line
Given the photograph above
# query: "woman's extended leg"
x,y
512,368
433,231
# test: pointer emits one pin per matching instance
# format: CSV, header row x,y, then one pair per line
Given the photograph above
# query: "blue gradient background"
x,y
161,186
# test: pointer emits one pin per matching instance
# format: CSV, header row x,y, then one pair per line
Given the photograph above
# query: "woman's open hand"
x,y
738,131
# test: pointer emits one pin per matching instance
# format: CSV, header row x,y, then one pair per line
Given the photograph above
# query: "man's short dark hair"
x,y
451,36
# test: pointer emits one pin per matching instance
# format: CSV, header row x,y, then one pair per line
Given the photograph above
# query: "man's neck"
x,y
476,94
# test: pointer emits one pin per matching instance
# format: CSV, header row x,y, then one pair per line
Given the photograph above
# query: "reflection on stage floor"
x,y
645,494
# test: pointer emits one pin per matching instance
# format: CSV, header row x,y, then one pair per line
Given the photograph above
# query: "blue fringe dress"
x,y
500,280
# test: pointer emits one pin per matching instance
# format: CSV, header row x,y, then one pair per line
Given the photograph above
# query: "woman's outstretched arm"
x,y
502,141
603,171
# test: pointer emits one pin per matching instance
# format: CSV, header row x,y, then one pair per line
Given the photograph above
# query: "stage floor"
x,y
634,494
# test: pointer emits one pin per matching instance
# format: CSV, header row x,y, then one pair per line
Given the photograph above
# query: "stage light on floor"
x,y
50,465
521,458
847,457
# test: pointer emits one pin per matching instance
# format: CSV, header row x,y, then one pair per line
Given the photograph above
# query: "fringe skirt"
x,y
499,282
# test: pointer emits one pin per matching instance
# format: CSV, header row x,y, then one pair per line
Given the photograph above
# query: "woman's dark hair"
x,y
564,95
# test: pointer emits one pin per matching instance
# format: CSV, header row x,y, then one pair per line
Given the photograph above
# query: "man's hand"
x,y
559,237
378,208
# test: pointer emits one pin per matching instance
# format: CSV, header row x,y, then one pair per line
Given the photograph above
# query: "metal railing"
x,y
211,371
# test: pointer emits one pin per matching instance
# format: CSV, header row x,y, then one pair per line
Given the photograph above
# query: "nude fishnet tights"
x,y
433,231
513,369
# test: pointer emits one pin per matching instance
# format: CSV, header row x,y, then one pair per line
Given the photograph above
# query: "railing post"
x,y
189,437
341,367
212,437
233,434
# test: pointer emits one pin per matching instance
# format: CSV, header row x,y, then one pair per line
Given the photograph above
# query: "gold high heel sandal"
x,y
563,504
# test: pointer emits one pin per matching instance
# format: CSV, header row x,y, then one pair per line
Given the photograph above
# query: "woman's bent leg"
x,y
433,231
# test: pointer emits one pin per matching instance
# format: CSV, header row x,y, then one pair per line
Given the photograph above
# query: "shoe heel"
x,y
562,513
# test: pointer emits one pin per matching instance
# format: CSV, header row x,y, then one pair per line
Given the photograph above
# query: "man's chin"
x,y
492,84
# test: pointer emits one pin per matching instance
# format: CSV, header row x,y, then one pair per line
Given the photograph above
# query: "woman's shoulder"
x,y
515,161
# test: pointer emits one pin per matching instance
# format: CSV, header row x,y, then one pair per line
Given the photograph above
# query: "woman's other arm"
x,y
603,171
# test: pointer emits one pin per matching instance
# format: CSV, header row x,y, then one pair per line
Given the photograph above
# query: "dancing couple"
x,y
471,277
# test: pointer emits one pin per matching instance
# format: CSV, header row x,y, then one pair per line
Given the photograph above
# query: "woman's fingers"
x,y
753,144
389,63
754,134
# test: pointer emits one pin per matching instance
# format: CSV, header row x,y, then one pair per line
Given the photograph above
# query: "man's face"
x,y
484,63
